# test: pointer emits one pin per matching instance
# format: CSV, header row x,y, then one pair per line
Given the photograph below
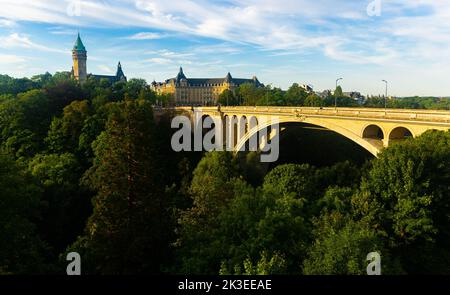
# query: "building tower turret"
x,y
79,56
120,76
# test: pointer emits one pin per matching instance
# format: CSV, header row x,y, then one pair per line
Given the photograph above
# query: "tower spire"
x,y
79,46
180,75
119,73
228,77
79,56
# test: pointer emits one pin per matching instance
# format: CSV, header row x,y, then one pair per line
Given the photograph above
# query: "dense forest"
x,y
249,95
89,168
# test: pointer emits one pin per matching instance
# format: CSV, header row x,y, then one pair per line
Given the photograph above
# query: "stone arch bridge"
x,y
373,129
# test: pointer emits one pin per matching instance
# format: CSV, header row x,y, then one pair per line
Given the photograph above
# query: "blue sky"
x,y
279,41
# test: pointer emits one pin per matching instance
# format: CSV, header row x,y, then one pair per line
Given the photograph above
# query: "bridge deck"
x,y
436,116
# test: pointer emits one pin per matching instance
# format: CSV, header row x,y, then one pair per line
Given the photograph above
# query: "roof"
x,y
99,77
79,44
120,76
211,81
119,72
228,78
180,75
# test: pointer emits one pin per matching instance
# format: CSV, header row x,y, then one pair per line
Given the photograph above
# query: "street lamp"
x,y
335,98
385,96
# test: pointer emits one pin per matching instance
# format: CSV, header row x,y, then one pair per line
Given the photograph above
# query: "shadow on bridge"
x,y
318,146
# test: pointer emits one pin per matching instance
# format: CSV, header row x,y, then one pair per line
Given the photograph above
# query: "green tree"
x,y
267,265
43,80
341,246
212,189
136,88
299,180
227,97
64,204
295,95
260,221
274,96
250,94
62,94
21,249
127,232
64,132
342,174
24,122
313,100
59,77
9,85
92,128
405,195
338,93
336,199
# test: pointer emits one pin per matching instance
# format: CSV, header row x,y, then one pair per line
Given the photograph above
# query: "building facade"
x,y
199,91
79,68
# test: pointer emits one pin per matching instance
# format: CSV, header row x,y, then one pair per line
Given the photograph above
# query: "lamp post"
x,y
386,93
335,98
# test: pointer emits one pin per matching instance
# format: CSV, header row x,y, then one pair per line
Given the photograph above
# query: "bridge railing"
x,y
442,116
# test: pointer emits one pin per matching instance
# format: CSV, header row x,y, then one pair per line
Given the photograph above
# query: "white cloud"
x,y
282,25
50,11
106,69
146,36
7,23
167,57
62,31
159,60
171,54
11,59
221,48
16,40
409,33
13,64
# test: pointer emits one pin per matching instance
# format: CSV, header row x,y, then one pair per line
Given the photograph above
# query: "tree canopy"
x,y
89,168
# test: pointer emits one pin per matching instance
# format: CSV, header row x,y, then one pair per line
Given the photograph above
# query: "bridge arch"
x,y
373,131
399,133
370,147
251,136
234,129
202,123
243,124
226,120
253,122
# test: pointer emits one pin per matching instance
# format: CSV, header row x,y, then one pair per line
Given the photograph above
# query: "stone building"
x,y
199,91
79,68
